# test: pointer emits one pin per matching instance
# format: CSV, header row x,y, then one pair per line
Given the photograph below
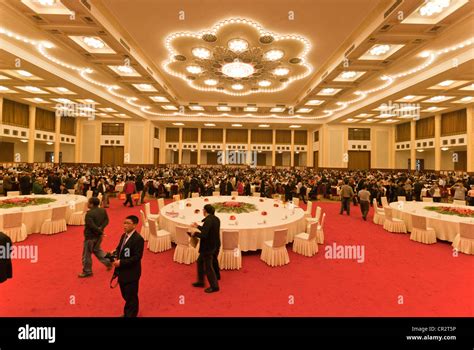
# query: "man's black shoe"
x,y
198,284
211,290
83,275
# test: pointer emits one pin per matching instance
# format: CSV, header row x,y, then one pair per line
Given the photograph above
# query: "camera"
x,y
111,256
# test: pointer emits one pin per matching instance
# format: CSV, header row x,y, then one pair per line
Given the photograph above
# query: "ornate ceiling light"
x,y
256,61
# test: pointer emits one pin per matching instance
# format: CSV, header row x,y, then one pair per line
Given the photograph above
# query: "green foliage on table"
x,y
463,212
24,202
235,208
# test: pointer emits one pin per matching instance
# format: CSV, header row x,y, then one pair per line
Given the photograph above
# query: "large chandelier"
x,y
238,69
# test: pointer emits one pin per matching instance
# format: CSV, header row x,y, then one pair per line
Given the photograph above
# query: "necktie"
x,y
123,243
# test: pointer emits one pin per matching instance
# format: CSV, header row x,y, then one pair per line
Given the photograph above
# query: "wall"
x,y
67,152
335,149
429,157
40,149
136,143
380,146
90,148
447,160
22,148
401,159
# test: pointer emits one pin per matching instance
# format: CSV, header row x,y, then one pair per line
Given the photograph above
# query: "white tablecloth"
x,y
254,228
445,226
35,215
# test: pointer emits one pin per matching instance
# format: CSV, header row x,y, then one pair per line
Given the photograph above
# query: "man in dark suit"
x,y
5,261
209,234
128,265
96,220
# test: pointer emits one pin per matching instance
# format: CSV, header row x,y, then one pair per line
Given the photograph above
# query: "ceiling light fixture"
x,y
238,45
211,82
446,83
159,99
281,71
194,69
432,7
263,126
24,73
250,109
223,108
277,109
47,2
273,55
378,50
314,102
209,124
264,83
295,126
237,125
238,69
125,69
201,52
178,124
444,148
304,110
237,86
348,75
93,42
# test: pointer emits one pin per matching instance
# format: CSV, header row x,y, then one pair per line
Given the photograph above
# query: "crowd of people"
x,y
164,182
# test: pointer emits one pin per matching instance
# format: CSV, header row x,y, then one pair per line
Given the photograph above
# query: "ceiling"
x,y
340,59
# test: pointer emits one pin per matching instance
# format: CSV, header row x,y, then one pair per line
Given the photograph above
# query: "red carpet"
x,y
429,279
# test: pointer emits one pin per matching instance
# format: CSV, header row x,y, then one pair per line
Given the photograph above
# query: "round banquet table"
x,y
254,228
35,215
445,226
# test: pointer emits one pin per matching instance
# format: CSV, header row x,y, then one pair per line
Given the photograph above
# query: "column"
x,y
292,149
78,144
57,138
180,146
126,143
323,146
149,131
392,147
309,146
162,145
346,147
224,150
31,137
470,139
199,147
413,145
249,148
437,143
274,147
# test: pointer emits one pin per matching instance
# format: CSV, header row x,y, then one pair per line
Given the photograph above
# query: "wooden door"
x,y
359,160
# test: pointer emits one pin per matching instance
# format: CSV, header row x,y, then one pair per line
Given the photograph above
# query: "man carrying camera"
x,y
127,262
95,222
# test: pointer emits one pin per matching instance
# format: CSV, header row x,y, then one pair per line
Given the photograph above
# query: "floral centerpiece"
x,y
234,207
24,202
463,212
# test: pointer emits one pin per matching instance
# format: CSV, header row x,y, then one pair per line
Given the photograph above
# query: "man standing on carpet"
x,y
346,195
364,199
128,267
95,222
208,249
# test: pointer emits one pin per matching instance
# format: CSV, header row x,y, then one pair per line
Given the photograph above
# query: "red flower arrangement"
x,y
232,204
264,213
463,212
196,211
233,198
232,217
276,205
24,202
206,199
188,204
261,199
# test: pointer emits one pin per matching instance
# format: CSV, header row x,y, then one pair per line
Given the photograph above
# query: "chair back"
x,y
427,199
388,213
418,222
322,220
402,198
384,202
459,202
230,240
12,220
374,203
313,229
161,203
59,213
89,194
182,236
13,193
234,193
147,210
176,197
296,202
318,213
195,194
256,194
153,227
142,215
72,191
279,238
216,194
466,230
309,207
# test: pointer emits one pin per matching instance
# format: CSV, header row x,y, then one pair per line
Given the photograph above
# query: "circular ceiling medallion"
x,y
180,58
238,69
266,39
210,38
257,59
